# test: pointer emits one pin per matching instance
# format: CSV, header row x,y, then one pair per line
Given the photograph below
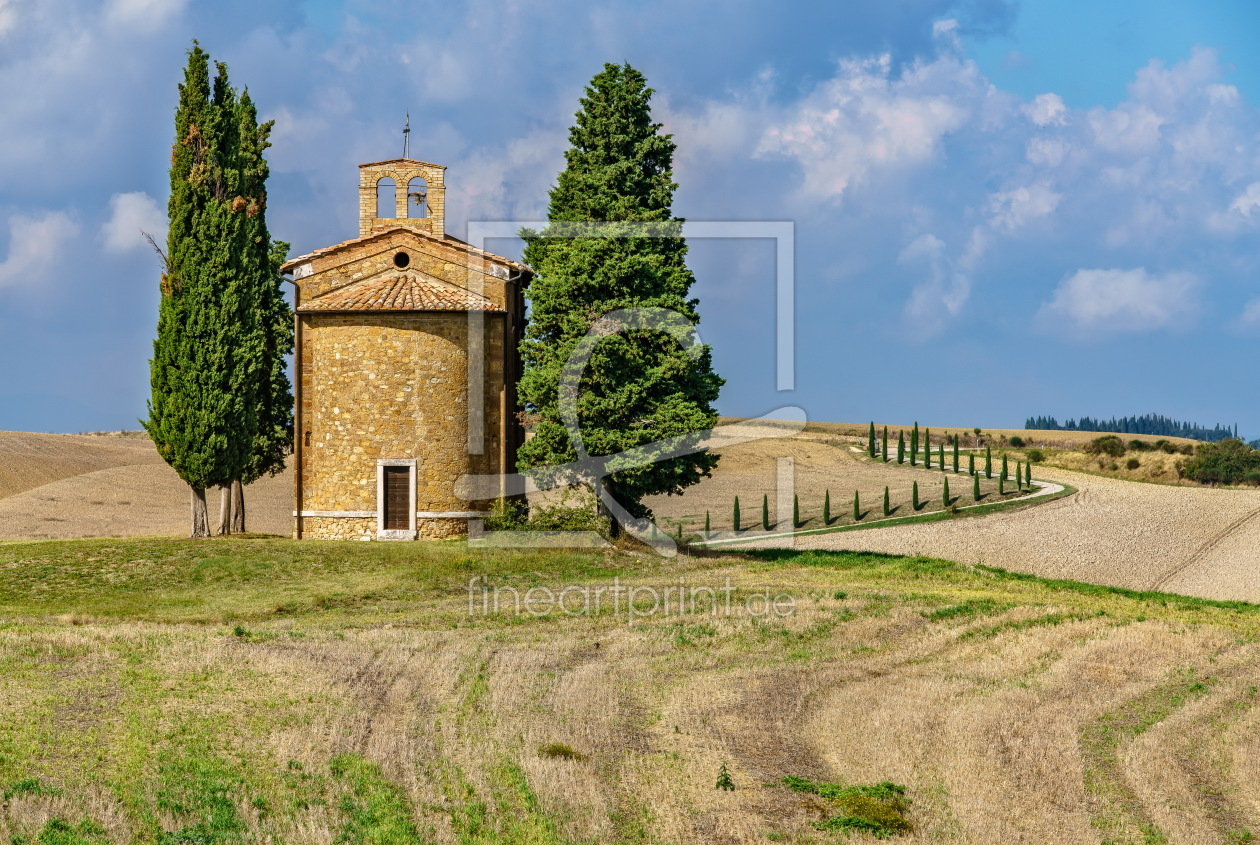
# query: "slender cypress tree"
x,y
887,510
883,445
796,511
273,395
857,508
1001,485
1019,476
971,464
707,529
1028,474
1006,474
765,512
735,515
988,462
640,386
975,487
927,448
870,440
901,447
945,493
827,508
955,453
914,496
914,445
940,448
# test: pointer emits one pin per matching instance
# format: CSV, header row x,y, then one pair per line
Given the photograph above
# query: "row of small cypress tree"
x,y
1023,480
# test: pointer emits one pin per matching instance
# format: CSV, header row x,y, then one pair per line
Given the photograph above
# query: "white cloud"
x,y
1046,152
1046,110
864,119
130,215
1247,200
1250,317
944,290
1128,129
1012,209
8,16
35,244
1103,302
145,14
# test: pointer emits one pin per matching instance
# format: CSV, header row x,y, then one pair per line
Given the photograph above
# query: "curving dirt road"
x,y
1195,541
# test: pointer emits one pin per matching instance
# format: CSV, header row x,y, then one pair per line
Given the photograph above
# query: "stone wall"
x,y
402,171
449,262
388,386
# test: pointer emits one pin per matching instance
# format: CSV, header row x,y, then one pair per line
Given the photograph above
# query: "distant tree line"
x,y
1148,424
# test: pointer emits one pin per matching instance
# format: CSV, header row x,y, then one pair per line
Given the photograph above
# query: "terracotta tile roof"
x,y
399,293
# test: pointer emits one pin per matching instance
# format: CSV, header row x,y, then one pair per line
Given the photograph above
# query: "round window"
x,y
401,260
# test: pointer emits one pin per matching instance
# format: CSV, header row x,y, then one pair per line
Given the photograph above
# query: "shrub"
x,y
1226,462
1140,446
506,515
1113,466
1132,463
724,780
566,517
1186,449
560,751
1166,447
1108,444
1035,456
1017,441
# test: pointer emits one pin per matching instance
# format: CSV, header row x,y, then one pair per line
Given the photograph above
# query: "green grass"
x,y
123,663
878,810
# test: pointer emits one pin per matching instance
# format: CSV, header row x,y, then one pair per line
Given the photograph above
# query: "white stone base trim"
x,y
339,514
382,534
372,514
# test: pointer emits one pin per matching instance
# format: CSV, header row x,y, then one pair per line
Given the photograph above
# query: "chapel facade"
x,y
406,364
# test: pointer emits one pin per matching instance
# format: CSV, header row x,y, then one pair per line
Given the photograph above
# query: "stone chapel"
x,y
406,364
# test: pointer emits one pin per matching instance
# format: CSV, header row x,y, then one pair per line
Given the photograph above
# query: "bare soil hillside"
x,y
65,486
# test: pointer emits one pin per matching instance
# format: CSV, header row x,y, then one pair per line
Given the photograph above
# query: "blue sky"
x,y
1002,209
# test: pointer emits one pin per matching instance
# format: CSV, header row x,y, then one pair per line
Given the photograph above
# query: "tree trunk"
x,y
200,518
614,526
225,510
238,507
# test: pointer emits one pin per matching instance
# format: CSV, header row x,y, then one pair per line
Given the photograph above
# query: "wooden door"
x,y
397,498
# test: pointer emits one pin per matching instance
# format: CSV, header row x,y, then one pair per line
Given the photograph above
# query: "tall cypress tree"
x,y
886,508
914,444
765,512
640,386
988,462
870,440
827,508
209,355
901,447
884,445
927,448
955,453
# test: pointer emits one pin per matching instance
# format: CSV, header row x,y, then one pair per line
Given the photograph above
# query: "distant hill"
x,y
1152,424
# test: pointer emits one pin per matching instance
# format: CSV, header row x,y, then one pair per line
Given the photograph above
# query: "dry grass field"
x,y
260,690
168,691
70,486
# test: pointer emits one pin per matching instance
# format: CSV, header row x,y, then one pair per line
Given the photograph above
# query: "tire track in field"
x,y
1205,549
